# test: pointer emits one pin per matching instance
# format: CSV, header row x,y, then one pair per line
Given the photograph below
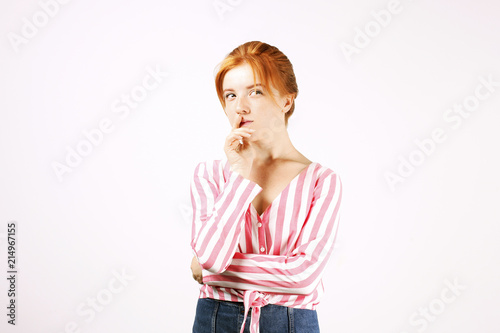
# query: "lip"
x,y
245,122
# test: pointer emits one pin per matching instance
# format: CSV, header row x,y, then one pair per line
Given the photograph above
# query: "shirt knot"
x,y
254,299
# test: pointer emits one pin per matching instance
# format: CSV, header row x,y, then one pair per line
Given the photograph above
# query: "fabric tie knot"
x,y
255,299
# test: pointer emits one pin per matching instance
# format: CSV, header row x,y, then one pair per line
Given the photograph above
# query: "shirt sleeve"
x,y
218,214
300,272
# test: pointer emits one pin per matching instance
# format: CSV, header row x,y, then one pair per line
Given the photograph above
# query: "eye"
x,y
256,91
227,95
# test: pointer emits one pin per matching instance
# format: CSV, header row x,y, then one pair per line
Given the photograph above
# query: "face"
x,y
255,105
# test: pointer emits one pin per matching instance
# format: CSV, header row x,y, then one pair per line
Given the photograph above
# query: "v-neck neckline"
x,y
279,195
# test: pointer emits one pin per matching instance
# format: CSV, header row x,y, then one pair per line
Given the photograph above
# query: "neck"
x,y
273,145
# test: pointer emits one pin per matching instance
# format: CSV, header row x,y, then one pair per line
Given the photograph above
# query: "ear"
x,y
287,102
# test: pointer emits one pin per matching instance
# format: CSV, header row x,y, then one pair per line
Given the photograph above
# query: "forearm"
x,y
297,275
217,226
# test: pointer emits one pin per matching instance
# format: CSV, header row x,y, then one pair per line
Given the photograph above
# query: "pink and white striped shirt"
x,y
277,257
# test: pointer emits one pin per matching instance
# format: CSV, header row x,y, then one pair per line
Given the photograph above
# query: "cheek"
x,y
269,106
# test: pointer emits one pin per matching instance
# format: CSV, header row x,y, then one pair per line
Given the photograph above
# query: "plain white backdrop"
x,y
103,237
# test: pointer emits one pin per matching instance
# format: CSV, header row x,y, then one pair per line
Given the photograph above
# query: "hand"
x,y
240,156
196,269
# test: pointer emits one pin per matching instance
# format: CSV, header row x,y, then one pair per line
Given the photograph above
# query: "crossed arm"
x,y
218,215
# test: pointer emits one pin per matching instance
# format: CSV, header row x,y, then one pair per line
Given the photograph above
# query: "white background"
x,y
125,207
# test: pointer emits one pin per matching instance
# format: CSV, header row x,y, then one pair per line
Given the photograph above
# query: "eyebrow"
x,y
251,86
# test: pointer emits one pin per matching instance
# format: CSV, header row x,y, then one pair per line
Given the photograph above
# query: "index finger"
x,y
237,121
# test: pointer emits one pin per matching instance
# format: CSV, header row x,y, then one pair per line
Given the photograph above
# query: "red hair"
x,y
271,65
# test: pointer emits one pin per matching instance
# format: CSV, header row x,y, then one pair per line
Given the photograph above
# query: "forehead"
x,y
240,76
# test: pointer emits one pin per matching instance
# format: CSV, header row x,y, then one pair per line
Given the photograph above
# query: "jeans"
x,y
215,316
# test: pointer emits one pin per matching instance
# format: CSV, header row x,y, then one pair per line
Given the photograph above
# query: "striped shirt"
x,y
277,257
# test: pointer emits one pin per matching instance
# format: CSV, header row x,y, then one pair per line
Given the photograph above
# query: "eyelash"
x,y
256,91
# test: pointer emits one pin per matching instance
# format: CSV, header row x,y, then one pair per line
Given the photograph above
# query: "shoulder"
x,y
320,170
324,173
211,169
210,164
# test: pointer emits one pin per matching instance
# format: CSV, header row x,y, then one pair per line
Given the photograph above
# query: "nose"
x,y
242,105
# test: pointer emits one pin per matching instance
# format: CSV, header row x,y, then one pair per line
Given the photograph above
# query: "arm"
x,y
218,215
300,272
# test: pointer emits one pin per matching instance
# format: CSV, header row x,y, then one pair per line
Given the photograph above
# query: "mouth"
x,y
246,123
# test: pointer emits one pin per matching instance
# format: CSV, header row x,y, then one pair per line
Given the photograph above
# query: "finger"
x,y
236,136
241,134
234,140
244,130
237,122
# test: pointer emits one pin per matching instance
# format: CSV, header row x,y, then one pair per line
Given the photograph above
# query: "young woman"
x,y
265,217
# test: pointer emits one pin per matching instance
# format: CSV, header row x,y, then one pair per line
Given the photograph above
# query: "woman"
x,y
265,217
